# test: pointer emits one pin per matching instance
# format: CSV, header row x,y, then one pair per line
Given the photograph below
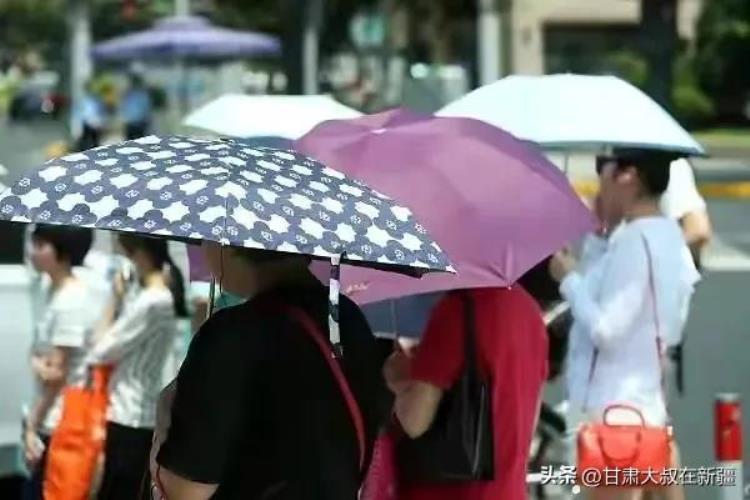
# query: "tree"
x,y
22,21
722,50
659,46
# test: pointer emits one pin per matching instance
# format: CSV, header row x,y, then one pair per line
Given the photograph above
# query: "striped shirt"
x,y
137,344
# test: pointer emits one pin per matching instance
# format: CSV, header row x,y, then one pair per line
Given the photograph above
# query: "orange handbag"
x,y
626,456
78,440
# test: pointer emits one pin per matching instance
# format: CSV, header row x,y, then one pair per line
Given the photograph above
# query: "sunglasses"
x,y
602,161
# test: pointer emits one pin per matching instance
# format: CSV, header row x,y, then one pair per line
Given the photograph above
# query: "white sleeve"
x,y
71,321
682,196
612,315
129,330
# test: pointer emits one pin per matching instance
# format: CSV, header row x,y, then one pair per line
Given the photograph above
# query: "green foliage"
x,y
691,105
723,46
628,65
260,15
23,21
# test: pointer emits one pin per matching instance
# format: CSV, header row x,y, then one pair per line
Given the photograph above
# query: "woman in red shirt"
x,y
512,346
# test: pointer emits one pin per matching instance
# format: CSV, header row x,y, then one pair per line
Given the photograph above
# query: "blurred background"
x,y
689,55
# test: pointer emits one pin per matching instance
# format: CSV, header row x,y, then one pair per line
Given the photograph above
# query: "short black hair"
x,y
652,167
70,243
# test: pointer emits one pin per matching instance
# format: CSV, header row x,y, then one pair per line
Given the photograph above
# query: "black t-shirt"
x,y
258,411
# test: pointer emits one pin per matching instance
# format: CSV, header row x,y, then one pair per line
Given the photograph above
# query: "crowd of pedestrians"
x,y
254,411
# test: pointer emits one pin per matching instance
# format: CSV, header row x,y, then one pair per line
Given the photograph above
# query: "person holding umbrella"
x,y
284,410
275,409
491,189
629,301
511,345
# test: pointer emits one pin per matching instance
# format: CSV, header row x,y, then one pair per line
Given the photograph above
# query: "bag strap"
x,y
657,322
471,354
313,330
655,309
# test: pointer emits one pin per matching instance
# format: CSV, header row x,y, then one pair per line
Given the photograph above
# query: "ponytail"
x,y
158,250
177,287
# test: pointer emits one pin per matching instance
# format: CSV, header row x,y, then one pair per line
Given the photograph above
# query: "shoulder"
x,y
231,327
513,303
74,296
505,298
628,241
661,231
232,341
350,310
155,300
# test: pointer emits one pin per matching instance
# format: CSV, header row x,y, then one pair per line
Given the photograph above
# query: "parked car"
x,y
38,97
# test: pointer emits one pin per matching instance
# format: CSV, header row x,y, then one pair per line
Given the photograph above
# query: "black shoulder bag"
x,y
458,446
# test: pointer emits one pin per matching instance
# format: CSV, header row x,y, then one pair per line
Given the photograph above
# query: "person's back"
x,y
286,432
512,343
135,382
136,106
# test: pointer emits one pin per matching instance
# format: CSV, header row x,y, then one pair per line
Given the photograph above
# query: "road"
x,y
718,332
23,146
718,338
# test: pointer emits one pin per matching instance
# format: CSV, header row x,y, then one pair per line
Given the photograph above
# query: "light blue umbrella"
x,y
186,37
575,112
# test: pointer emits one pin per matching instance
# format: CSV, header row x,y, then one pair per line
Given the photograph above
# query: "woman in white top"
x,y
136,343
61,336
631,300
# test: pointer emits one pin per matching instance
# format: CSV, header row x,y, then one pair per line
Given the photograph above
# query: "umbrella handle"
x,y
211,298
334,290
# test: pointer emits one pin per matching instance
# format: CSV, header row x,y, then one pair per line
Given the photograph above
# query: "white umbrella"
x,y
287,116
575,112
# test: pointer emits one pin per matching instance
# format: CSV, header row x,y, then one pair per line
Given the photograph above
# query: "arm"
x,y
433,369
111,309
416,407
179,488
107,319
127,332
53,371
696,227
610,316
68,333
209,411
683,202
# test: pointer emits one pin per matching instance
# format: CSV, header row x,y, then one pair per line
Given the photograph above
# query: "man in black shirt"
x,y
257,413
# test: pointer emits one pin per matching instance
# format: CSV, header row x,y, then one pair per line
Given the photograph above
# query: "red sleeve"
x,y
439,357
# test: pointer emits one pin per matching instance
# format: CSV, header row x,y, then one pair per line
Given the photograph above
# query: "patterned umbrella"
x,y
228,192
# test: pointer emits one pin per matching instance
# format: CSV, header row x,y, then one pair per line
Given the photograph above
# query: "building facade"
x,y
546,36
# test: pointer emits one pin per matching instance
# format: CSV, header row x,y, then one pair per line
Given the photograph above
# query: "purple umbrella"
x,y
496,205
193,37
